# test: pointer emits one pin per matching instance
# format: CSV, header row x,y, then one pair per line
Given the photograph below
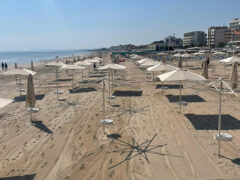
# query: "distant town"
x,y
216,37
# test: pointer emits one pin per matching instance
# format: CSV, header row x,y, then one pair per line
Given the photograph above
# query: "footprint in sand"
x,y
52,146
112,173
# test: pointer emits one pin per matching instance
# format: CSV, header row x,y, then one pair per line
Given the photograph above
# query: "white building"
x,y
218,36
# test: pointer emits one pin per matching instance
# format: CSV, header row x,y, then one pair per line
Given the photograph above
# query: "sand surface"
x,y
67,141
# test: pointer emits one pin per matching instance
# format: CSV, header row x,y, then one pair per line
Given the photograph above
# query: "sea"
x,y
23,57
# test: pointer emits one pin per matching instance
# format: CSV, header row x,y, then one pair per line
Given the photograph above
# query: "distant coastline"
x,y
23,57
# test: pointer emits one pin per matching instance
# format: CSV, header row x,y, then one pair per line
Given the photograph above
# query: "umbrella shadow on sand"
x,y
127,93
134,149
24,177
187,98
81,90
41,126
169,86
235,161
23,98
210,122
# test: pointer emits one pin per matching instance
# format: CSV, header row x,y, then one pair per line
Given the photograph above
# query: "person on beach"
x,y
6,66
2,66
94,65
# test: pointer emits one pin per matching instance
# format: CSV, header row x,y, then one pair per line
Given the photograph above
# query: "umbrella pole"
x,y
162,87
180,97
20,85
219,115
82,74
109,89
72,79
57,80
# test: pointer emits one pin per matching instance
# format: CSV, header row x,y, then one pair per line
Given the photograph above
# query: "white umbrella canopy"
x,y
150,63
199,54
20,72
135,56
72,67
92,60
98,58
55,64
162,54
231,60
219,53
180,75
161,67
112,66
177,55
83,63
144,60
186,55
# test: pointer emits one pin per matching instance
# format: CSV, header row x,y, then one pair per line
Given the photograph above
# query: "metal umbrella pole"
x,y
109,88
103,99
72,79
219,115
180,97
20,85
57,81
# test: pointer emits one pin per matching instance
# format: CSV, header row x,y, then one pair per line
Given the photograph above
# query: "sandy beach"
x,y
67,141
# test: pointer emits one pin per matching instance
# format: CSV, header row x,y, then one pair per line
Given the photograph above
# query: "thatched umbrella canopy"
x,y
205,69
234,75
30,98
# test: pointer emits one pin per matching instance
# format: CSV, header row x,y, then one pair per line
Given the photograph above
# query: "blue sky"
x,y
78,24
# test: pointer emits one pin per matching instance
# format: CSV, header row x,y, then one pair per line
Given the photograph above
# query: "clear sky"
x,y
80,24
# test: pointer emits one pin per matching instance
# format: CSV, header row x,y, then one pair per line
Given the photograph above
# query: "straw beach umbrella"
x,y
56,65
20,73
73,68
205,69
234,75
180,75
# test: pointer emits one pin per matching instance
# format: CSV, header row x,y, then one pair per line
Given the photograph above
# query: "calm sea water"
x,y
26,57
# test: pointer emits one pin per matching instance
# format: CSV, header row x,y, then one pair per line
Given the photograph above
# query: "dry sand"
x,y
67,141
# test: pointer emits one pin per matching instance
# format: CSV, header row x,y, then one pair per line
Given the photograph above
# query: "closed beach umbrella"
x,y
30,98
234,75
205,69
56,65
180,75
32,68
20,73
180,62
73,68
